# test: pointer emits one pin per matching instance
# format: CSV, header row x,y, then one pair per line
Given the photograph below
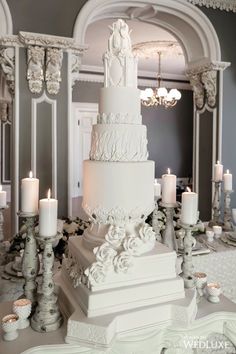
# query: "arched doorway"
x,y
201,48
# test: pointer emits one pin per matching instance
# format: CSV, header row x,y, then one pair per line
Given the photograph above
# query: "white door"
x,y
84,116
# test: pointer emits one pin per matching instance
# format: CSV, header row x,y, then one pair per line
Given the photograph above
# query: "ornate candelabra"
x,y
30,262
168,236
216,205
47,316
2,222
187,264
228,224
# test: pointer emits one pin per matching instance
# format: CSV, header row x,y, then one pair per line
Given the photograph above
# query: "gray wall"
x,y
169,131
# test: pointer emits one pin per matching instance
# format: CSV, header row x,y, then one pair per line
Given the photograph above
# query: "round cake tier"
x,y
123,142
118,192
123,102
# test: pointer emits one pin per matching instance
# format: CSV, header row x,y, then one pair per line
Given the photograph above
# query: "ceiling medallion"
x,y
151,48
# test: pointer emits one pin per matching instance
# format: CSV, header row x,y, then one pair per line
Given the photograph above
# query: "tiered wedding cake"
x,y
117,277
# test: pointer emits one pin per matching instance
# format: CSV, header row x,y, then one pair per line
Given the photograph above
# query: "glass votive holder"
x,y
217,230
213,292
210,235
22,308
10,326
200,281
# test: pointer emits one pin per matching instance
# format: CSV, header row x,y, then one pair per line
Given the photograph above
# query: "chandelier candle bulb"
x,y
218,172
157,189
29,194
48,216
169,188
3,198
227,181
189,208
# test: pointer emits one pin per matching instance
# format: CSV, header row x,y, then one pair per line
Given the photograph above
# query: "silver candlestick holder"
x,y
2,222
47,316
187,264
30,261
216,205
168,235
228,224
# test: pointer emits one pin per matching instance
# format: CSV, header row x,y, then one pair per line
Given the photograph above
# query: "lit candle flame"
x,y
30,174
49,193
188,189
168,171
227,171
218,162
155,181
0,187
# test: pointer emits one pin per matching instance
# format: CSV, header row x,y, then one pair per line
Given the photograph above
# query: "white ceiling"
x,y
173,66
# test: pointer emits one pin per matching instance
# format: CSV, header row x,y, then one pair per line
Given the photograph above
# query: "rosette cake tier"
x,y
117,277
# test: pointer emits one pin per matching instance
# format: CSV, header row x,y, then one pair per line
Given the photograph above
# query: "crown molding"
x,y
206,65
226,5
25,39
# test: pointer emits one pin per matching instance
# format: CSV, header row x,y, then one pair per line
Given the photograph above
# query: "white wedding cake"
x,y
117,277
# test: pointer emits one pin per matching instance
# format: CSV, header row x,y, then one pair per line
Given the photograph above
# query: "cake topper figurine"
x,y
119,40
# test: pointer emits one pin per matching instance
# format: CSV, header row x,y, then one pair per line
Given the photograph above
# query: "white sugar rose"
x,y
147,234
115,235
105,253
96,273
123,262
133,245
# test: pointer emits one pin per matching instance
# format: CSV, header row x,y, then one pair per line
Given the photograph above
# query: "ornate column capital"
x,y
203,78
35,62
54,58
7,62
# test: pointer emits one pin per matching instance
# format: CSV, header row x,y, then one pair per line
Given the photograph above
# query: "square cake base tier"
x,y
99,303
101,331
158,264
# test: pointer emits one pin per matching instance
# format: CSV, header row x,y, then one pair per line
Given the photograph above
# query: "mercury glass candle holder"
x,y
200,281
22,308
213,292
10,326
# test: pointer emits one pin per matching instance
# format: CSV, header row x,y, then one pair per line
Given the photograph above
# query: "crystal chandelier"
x,y
159,96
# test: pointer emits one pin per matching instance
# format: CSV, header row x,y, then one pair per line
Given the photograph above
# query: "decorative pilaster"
x,y
54,58
35,61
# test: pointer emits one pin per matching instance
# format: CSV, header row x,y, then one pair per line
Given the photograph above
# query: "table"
x,y
214,323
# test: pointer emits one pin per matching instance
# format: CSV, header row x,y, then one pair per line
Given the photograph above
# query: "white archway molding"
x,y
185,21
6,27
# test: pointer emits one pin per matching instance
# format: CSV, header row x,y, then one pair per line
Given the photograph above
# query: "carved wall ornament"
x,y
4,111
7,62
35,61
198,89
54,58
227,5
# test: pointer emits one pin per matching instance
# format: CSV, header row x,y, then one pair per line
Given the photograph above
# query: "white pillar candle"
x,y
168,188
157,189
218,172
3,198
48,216
189,208
30,194
227,181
